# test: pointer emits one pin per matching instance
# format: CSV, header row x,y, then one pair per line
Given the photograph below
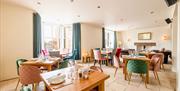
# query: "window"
x,y
109,39
56,37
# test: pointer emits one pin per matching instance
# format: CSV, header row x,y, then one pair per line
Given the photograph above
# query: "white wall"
x,y
178,47
157,33
16,28
91,36
174,39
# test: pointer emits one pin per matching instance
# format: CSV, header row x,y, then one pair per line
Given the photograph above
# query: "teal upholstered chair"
x,y
18,63
140,54
137,66
97,48
71,57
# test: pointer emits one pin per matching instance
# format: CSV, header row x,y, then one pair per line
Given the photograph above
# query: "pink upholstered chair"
x,y
116,63
45,52
98,57
118,52
29,75
116,60
155,64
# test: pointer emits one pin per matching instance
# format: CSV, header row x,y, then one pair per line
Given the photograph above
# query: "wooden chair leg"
x,y
88,59
17,84
163,67
82,59
157,78
129,77
33,88
22,87
154,75
85,59
115,71
99,63
94,62
144,79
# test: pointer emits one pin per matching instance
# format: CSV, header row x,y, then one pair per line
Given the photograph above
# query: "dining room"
x,y
91,45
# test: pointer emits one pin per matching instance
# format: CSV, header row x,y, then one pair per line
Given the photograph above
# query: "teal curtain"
x,y
103,38
115,40
36,34
77,40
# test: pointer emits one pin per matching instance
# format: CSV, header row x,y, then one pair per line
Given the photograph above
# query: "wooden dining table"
x,y
127,58
43,63
96,79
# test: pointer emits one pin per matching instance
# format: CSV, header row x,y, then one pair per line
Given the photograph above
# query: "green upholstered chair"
x,y
97,48
25,89
137,66
72,56
140,54
63,64
18,63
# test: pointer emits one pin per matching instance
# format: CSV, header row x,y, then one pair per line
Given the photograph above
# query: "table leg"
x,y
58,64
85,59
101,86
107,62
147,75
124,69
46,88
49,67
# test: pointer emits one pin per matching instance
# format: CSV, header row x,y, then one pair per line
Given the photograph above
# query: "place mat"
x,y
65,83
34,59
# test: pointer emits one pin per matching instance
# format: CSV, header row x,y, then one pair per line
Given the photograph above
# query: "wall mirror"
x,y
144,36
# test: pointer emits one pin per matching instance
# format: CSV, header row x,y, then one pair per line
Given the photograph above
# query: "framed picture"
x,y
144,36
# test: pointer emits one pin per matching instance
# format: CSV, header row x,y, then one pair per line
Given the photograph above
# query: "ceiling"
x,y
112,14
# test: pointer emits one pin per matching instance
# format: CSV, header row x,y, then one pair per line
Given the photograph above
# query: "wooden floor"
x,y
167,79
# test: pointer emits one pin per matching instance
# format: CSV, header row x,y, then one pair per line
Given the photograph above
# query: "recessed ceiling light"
x,y
39,3
72,0
98,6
121,20
78,16
152,12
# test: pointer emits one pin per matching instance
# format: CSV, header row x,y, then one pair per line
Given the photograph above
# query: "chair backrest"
x,y
45,52
84,52
155,62
96,68
116,61
18,63
112,53
74,54
118,52
97,48
29,74
97,54
137,66
91,53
